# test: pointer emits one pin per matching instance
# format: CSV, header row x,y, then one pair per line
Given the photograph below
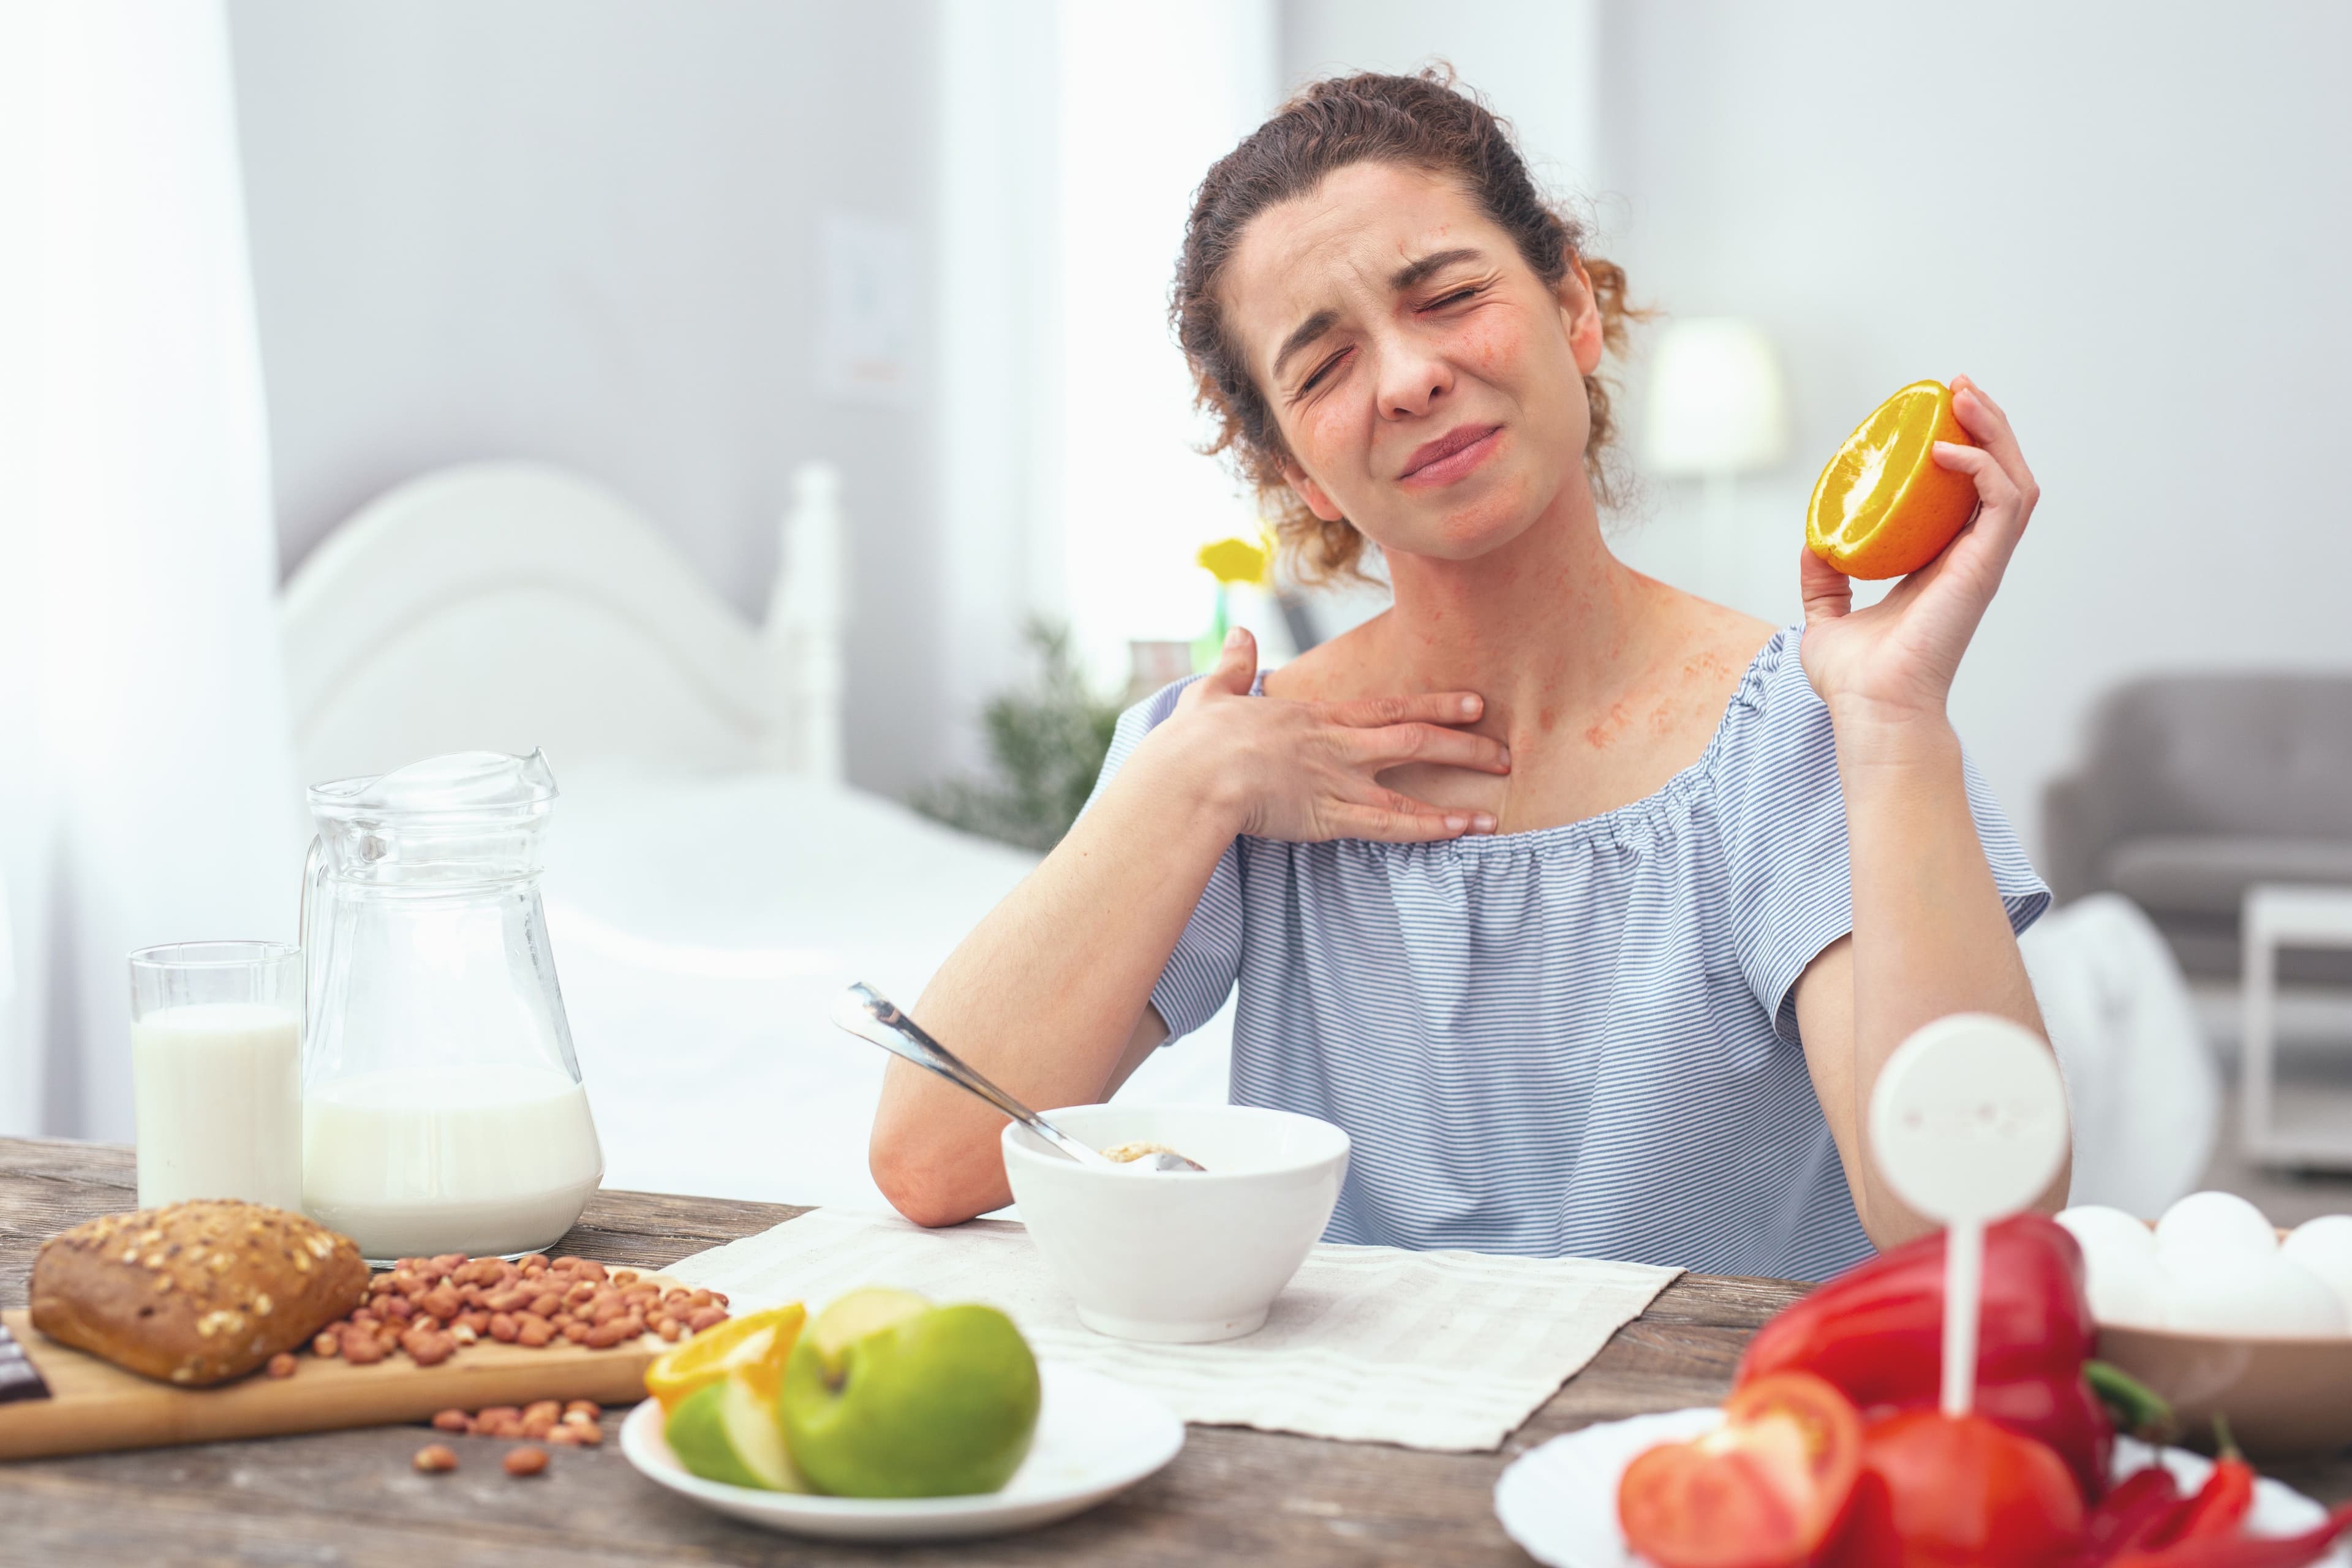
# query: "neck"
x,y
1548,623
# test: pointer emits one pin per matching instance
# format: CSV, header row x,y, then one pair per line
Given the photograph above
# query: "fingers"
x,y
1828,591
2002,508
1408,821
1236,666
1421,742
1983,418
1433,707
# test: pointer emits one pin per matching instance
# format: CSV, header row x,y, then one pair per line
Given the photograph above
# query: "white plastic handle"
x,y
1967,1124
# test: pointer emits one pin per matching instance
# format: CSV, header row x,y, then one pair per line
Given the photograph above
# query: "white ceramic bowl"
x,y
1181,1258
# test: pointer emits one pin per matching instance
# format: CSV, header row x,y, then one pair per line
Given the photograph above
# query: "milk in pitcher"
x,y
491,1159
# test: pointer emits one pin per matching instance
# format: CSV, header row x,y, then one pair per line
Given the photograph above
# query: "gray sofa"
x,y
2195,786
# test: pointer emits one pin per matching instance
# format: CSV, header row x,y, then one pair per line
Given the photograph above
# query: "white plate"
x,y
1095,1437
1560,1500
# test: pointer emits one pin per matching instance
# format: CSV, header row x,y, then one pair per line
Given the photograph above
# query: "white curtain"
x,y
146,777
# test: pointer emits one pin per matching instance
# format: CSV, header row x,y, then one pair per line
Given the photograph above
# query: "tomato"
x,y
1762,1490
1958,1491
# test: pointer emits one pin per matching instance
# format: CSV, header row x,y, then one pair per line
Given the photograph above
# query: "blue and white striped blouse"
x,y
1579,1040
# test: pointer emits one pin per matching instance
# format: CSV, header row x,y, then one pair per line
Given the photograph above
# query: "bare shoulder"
x,y
1339,670
1704,648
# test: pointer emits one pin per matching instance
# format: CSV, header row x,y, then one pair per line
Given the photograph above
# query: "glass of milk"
x,y
216,1071
443,1110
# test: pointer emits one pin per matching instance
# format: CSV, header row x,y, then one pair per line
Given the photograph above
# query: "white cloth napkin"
x,y
1448,1351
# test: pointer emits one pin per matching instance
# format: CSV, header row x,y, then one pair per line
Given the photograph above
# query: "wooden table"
x,y
1232,1495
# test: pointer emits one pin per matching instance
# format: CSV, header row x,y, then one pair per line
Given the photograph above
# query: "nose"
x,y
1413,379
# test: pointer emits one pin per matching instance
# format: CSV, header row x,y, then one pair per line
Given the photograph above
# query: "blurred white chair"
x,y
2141,1081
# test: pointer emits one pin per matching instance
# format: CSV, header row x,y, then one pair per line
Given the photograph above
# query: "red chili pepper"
x,y
2218,1506
2133,1509
2247,1551
1877,1333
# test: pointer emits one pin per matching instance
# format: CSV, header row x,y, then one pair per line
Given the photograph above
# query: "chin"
x,y
1480,525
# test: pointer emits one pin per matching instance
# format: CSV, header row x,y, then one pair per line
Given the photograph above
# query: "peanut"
x,y
525,1461
576,1331
537,1427
708,1318
625,1276
507,1300
531,1260
590,1436
328,1343
604,1336
363,1348
463,1334
502,1327
434,1458
560,1437
668,1329
453,1421
426,1348
546,1304
550,1408
282,1365
442,1303
588,1408
533,1330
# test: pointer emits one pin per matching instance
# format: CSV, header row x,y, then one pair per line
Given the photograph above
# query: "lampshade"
x,y
1716,400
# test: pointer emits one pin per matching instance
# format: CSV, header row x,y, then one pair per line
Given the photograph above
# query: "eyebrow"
x,y
1412,272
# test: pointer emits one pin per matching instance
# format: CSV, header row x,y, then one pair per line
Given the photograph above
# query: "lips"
x,y
1450,456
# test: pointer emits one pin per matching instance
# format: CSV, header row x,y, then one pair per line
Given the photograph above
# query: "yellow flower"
x,y
1236,561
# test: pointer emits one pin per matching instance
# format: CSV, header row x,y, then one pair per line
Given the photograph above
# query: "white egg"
x,y
2252,1297
2323,1246
2121,1273
2209,1231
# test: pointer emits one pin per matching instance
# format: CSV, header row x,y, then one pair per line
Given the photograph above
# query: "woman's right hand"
x,y
1305,772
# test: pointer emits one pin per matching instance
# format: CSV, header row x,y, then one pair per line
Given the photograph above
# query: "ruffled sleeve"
x,y
1207,962
1782,813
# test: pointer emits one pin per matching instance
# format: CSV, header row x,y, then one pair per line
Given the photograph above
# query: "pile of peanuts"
x,y
567,1426
430,1308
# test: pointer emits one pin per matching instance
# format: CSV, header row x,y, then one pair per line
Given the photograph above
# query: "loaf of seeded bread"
x,y
194,1293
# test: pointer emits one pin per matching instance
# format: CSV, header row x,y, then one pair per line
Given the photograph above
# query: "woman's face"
x,y
1429,386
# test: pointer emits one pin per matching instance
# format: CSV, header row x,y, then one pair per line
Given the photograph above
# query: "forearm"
x,y
1045,996
1930,935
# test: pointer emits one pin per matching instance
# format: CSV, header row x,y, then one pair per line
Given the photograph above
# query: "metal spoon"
x,y
870,1016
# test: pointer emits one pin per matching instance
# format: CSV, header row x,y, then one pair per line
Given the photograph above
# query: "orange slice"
x,y
1885,505
754,1344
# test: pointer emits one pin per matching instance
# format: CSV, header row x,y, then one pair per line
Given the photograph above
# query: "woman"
x,y
1589,909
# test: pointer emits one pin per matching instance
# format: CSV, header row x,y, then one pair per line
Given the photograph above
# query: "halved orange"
x,y
754,1344
1885,505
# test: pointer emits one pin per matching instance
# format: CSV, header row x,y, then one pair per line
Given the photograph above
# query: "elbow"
x,y
922,1181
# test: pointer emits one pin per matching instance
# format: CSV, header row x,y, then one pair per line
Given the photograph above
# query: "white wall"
x,y
587,231
1534,62
2129,221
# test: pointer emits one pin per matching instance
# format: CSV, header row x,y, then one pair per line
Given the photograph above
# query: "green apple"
x,y
725,1431
888,1396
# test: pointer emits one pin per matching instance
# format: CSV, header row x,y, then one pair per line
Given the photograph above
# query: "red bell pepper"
x,y
1876,1332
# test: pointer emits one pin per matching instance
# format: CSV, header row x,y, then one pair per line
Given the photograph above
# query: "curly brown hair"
x,y
1425,122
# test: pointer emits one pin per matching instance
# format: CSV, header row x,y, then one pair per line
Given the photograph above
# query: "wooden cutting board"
x,y
94,1406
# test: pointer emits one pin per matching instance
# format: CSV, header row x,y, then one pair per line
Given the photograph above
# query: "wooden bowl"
x,y
2282,1396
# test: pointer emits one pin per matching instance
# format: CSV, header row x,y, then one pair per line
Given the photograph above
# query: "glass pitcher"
x,y
442,1107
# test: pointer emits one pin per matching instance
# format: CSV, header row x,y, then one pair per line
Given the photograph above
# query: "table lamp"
x,y
1716,410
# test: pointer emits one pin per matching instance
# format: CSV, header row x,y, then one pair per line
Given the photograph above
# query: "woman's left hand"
x,y
1896,659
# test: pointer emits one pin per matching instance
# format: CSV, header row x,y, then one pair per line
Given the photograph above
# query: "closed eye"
x,y
1466,291
1321,371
